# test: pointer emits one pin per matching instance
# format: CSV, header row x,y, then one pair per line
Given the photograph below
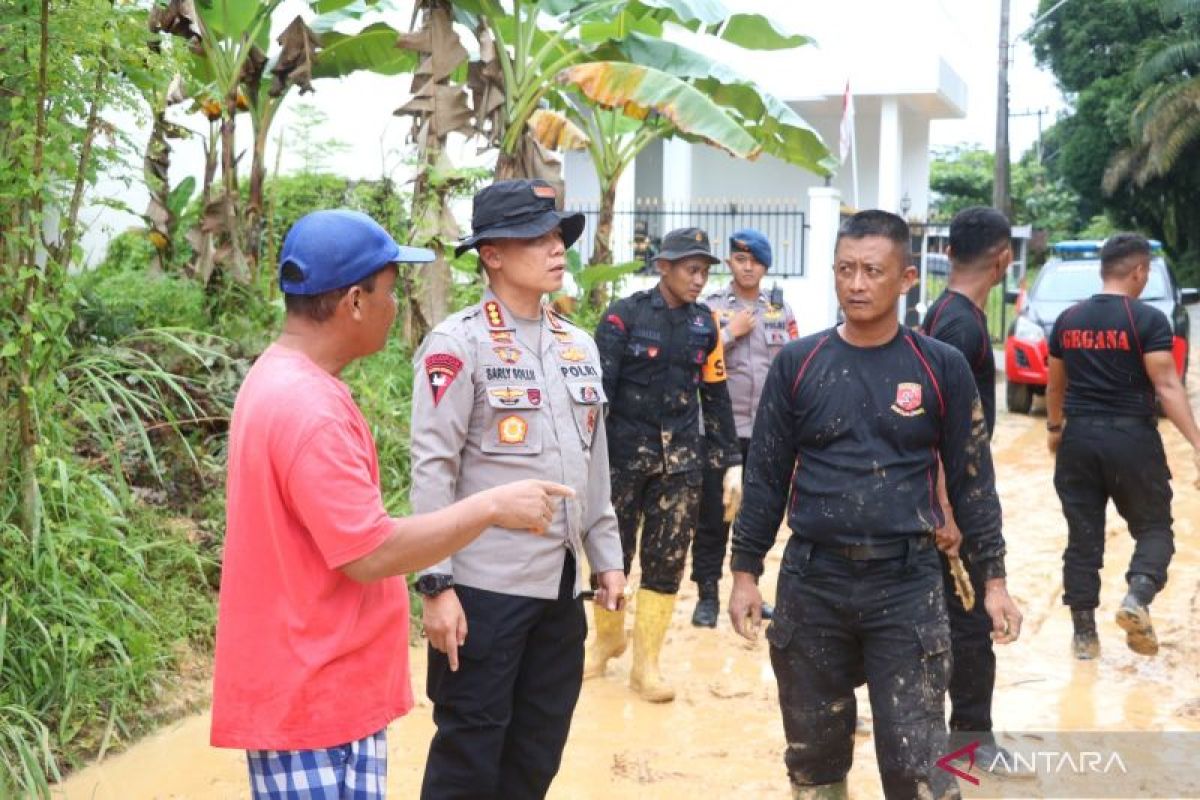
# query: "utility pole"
x,y
1039,113
1001,199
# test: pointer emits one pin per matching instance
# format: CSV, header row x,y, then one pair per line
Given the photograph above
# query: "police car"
x,y
1072,274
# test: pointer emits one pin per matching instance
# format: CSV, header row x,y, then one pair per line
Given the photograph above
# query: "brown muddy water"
x,y
722,737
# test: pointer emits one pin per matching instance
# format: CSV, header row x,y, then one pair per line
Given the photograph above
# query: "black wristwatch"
x,y
433,584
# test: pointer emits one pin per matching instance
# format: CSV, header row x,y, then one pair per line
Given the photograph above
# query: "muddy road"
x,y
722,737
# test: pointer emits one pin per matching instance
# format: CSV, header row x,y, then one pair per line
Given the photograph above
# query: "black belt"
x,y
876,552
1114,422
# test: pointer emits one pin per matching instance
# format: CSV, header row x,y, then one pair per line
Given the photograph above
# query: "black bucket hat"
x,y
685,242
519,209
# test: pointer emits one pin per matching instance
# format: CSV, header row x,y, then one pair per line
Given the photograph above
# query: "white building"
x,y
901,81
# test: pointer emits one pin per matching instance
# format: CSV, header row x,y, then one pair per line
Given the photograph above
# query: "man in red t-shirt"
x,y
312,628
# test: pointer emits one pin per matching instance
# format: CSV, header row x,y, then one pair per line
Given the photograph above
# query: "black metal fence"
x,y
638,229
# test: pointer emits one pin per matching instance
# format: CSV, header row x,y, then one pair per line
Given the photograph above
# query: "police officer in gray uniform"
x,y
507,388
755,325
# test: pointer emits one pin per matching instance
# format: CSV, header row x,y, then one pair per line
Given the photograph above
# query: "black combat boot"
x,y
708,607
1085,644
1134,616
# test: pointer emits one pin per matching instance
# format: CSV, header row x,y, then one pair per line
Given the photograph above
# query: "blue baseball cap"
x,y
748,240
338,248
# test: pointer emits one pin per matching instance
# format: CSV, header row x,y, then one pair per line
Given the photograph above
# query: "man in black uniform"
x,y
851,424
980,253
663,367
1109,355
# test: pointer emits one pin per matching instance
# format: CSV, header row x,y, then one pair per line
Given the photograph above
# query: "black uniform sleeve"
x,y
720,430
970,475
1154,330
767,477
611,335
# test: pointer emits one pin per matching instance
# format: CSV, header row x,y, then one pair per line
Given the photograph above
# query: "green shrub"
x,y
121,297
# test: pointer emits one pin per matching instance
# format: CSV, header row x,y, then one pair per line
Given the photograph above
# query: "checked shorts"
x,y
353,771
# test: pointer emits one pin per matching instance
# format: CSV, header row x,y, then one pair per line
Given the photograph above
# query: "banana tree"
x,y
522,50
623,108
230,41
438,107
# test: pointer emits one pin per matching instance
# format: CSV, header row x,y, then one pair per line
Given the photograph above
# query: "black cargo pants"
x,y
973,679
1121,458
840,623
665,508
503,718
712,531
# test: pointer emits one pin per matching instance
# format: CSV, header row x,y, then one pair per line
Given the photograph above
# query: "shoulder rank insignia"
x,y
512,430
494,314
509,355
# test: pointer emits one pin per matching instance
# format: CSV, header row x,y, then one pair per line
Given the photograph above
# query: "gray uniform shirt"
x,y
747,359
493,404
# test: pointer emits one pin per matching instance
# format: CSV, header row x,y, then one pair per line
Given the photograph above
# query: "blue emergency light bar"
x,y
1082,249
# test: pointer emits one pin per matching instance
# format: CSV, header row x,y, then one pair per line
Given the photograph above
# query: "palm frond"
x,y
1177,60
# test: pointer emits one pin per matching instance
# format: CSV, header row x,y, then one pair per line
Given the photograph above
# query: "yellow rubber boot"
x,y
650,624
609,642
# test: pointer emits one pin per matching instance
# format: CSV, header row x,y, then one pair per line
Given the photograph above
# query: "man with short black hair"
x,y
850,427
664,370
980,253
312,621
1110,355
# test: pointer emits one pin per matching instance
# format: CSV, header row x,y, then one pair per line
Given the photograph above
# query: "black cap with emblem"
x,y
685,242
518,209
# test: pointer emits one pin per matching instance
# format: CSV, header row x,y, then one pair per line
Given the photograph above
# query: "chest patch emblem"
x,y
572,354
441,370
508,395
509,355
563,337
501,337
513,430
908,400
534,395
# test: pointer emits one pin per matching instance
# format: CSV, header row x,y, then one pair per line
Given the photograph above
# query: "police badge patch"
x,y
908,400
441,370
512,430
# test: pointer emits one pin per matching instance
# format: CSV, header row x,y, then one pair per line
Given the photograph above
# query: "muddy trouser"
x,y
712,531
1120,458
840,623
502,719
665,506
973,678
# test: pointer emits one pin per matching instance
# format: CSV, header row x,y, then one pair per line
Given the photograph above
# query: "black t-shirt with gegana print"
x,y
1101,342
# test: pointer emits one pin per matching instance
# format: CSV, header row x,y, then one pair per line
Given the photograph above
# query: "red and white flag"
x,y
847,128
